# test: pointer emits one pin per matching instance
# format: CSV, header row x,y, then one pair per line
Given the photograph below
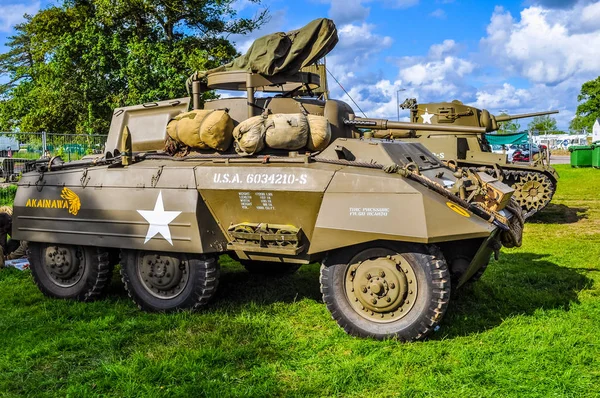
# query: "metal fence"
x,y
17,149
37,145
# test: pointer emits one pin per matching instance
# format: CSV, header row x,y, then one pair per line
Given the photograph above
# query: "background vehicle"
x,y
534,183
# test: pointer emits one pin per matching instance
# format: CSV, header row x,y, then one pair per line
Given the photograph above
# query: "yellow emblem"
x,y
73,199
457,209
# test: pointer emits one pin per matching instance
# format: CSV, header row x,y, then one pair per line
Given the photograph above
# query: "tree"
x,y
588,109
509,127
542,124
69,66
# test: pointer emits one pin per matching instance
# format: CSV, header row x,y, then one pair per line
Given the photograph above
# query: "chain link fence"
x,y
17,149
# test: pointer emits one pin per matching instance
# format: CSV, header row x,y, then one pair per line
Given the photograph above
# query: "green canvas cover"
x,y
285,52
508,139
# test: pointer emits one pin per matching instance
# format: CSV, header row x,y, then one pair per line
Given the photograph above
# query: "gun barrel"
x,y
383,124
505,118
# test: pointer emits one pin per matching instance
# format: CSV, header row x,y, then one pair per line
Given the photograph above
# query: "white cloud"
x,y
12,14
504,97
438,13
447,47
349,11
540,47
357,45
346,11
538,98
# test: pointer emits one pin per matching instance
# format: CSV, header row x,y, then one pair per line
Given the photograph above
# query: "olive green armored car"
x,y
394,229
534,183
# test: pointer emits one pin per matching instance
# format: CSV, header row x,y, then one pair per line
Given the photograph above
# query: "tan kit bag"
x,y
202,129
249,136
286,131
319,134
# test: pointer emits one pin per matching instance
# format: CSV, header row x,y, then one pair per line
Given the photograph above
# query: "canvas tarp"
x,y
507,139
285,52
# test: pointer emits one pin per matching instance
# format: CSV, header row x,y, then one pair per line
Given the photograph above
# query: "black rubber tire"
x,y
434,284
93,283
270,269
200,288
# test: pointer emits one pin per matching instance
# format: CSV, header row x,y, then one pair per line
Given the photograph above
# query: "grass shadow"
x,y
238,286
519,284
559,214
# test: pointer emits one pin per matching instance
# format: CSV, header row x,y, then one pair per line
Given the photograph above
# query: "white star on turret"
x,y
159,220
427,117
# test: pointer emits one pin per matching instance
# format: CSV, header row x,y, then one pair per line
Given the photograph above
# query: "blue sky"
x,y
518,56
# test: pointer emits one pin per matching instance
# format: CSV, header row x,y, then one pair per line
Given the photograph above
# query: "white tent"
x,y
596,131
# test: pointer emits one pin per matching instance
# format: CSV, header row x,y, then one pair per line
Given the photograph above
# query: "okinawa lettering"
x,y
69,200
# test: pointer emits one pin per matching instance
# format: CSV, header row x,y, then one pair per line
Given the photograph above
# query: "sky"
x,y
513,56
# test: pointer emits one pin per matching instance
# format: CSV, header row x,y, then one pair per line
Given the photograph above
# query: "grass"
x,y
528,328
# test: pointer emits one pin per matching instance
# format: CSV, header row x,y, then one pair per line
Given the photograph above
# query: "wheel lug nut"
x,y
364,289
368,276
374,301
382,274
389,300
392,286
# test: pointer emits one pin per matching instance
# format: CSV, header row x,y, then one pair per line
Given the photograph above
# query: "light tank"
x,y
534,183
394,229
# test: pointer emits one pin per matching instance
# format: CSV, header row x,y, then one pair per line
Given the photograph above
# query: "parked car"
x,y
523,155
508,149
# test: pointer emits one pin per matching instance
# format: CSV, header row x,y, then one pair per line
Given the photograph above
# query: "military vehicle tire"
x,y
70,272
165,282
270,268
404,295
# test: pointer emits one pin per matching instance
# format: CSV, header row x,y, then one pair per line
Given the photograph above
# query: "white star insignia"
x,y
427,117
159,220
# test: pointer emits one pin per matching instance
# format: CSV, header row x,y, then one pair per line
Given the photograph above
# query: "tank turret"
x,y
458,114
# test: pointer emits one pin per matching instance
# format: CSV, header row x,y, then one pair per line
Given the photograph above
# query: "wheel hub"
x,y
64,264
383,289
163,276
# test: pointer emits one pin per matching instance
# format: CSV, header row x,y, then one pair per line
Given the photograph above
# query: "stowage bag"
x,y
319,134
286,131
202,129
249,136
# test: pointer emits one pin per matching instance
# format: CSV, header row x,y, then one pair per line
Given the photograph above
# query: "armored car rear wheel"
x,y
164,282
382,293
68,271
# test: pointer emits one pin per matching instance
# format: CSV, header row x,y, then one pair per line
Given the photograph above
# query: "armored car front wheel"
x,y
68,271
382,293
164,282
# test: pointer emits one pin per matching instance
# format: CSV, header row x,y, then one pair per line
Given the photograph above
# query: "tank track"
x,y
533,189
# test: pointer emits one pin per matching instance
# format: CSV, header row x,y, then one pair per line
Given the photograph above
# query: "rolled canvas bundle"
x,y
202,129
286,131
319,133
282,131
249,136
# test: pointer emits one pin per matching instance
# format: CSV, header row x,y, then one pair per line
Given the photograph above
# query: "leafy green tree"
x,y
509,127
69,66
588,109
543,124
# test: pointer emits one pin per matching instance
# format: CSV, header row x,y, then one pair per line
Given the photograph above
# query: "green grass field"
x,y
529,328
